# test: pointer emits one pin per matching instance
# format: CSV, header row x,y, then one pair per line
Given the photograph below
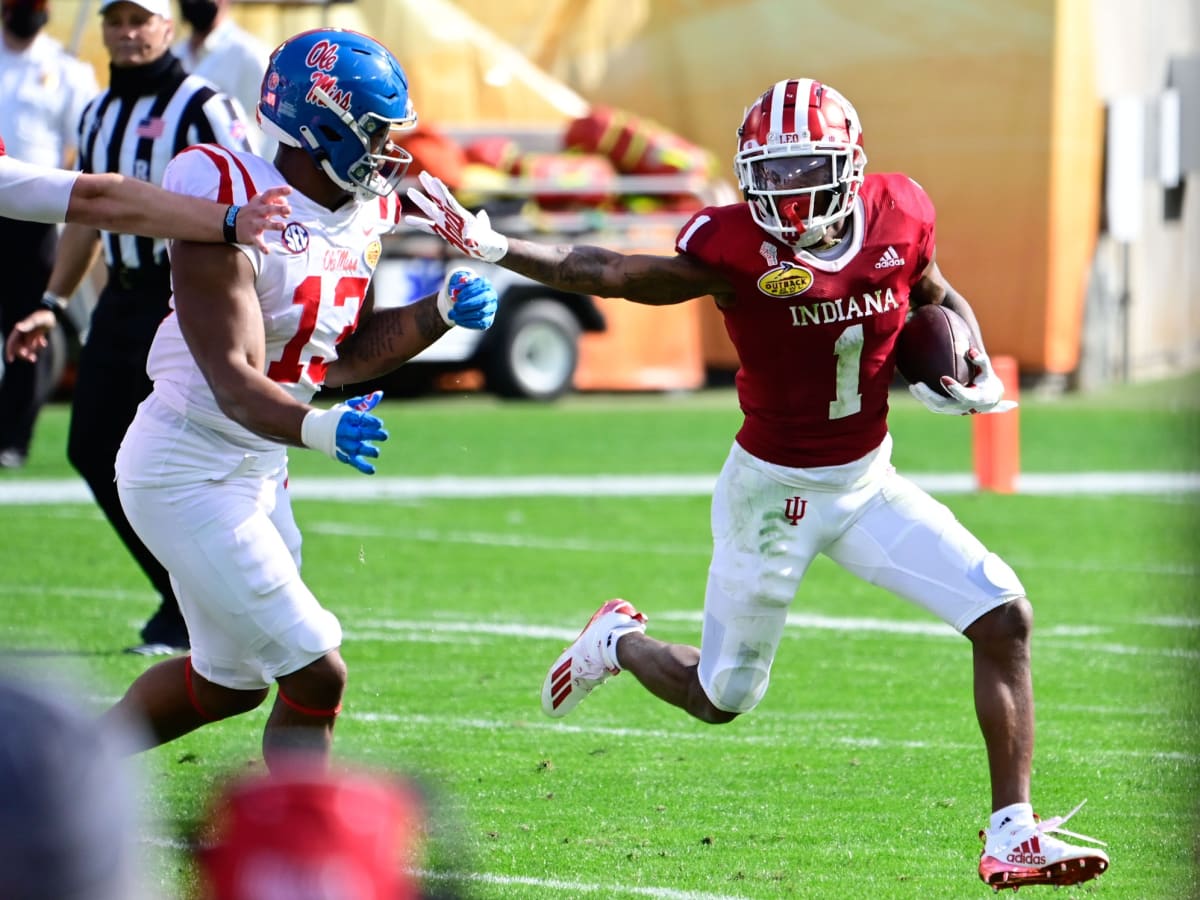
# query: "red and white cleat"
x,y
1017,855
590,659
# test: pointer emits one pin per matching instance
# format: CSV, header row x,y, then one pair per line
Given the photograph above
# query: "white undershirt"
x,y
34,193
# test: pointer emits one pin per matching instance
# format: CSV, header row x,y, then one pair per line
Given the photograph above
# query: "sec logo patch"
x,y
374,249
785,280
295,238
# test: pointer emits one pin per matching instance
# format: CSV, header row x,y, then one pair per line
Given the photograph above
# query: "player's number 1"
x,y
848,350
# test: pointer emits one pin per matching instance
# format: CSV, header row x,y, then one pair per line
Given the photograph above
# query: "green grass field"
x,y
862,772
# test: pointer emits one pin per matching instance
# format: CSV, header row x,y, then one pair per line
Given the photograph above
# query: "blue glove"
x,y
355,428
344,431
468,299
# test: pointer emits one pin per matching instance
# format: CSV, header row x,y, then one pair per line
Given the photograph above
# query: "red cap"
x,y
312,836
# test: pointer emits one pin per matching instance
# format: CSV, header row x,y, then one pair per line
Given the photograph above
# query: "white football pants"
x,y
769,522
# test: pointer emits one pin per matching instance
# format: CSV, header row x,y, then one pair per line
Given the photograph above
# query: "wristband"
x,y
56,305
318,430
229,225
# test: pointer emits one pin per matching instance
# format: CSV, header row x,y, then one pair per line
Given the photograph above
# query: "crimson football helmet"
x,y
800,160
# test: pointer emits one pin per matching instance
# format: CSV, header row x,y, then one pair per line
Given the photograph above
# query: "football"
x,y
933,343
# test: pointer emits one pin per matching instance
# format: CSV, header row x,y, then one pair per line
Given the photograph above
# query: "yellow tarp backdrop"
x,y
991,106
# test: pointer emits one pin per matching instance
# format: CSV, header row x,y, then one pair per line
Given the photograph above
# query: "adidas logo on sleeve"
x,y
890,259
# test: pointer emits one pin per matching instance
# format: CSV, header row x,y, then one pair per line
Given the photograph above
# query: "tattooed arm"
x,y
652,280
585,269
385,340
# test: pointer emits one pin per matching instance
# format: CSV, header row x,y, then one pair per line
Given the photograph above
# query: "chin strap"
x,y
809,238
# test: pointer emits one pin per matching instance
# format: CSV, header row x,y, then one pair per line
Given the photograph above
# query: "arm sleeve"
x,y
34,193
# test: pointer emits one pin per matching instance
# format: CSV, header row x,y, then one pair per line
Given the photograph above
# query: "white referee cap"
x,y
155,7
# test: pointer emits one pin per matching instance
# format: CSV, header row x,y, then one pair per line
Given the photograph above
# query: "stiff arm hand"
x,y
982,395
471,233
266,211
344,432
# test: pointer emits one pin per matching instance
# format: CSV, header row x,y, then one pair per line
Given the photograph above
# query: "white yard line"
x,y
506,539
446,629
700,549
575,888
40,491
776,737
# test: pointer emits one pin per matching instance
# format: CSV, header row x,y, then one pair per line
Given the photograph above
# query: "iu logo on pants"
x,y
794,508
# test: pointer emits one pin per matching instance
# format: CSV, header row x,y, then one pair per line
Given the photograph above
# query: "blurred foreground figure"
x,y
309,834
68,817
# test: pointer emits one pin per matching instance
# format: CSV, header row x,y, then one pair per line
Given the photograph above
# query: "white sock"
x,y
1017,813
608,649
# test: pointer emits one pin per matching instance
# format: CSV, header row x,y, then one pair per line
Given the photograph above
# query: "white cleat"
x,y
590,659
1017,855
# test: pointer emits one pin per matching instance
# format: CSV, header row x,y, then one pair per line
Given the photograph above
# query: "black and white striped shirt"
x,y
138,125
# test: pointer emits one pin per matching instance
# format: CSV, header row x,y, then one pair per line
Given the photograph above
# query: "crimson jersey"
x,y
815,335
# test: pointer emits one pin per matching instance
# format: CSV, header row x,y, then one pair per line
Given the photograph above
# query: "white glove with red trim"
x,y
982,395
470,232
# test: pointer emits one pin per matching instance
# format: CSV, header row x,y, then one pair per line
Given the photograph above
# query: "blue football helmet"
x,y
340,95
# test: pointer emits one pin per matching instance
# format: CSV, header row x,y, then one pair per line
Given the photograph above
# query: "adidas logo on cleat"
x,y
1029,853
1026,859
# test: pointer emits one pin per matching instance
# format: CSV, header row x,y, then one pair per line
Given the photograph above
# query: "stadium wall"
x,y
997,109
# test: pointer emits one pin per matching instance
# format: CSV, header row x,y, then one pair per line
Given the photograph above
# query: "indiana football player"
x,y
814,274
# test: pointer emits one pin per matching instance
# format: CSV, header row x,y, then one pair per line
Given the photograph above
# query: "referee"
x,y
151,110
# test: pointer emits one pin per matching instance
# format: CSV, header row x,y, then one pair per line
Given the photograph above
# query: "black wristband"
x,y
229,225
58,306
55,304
